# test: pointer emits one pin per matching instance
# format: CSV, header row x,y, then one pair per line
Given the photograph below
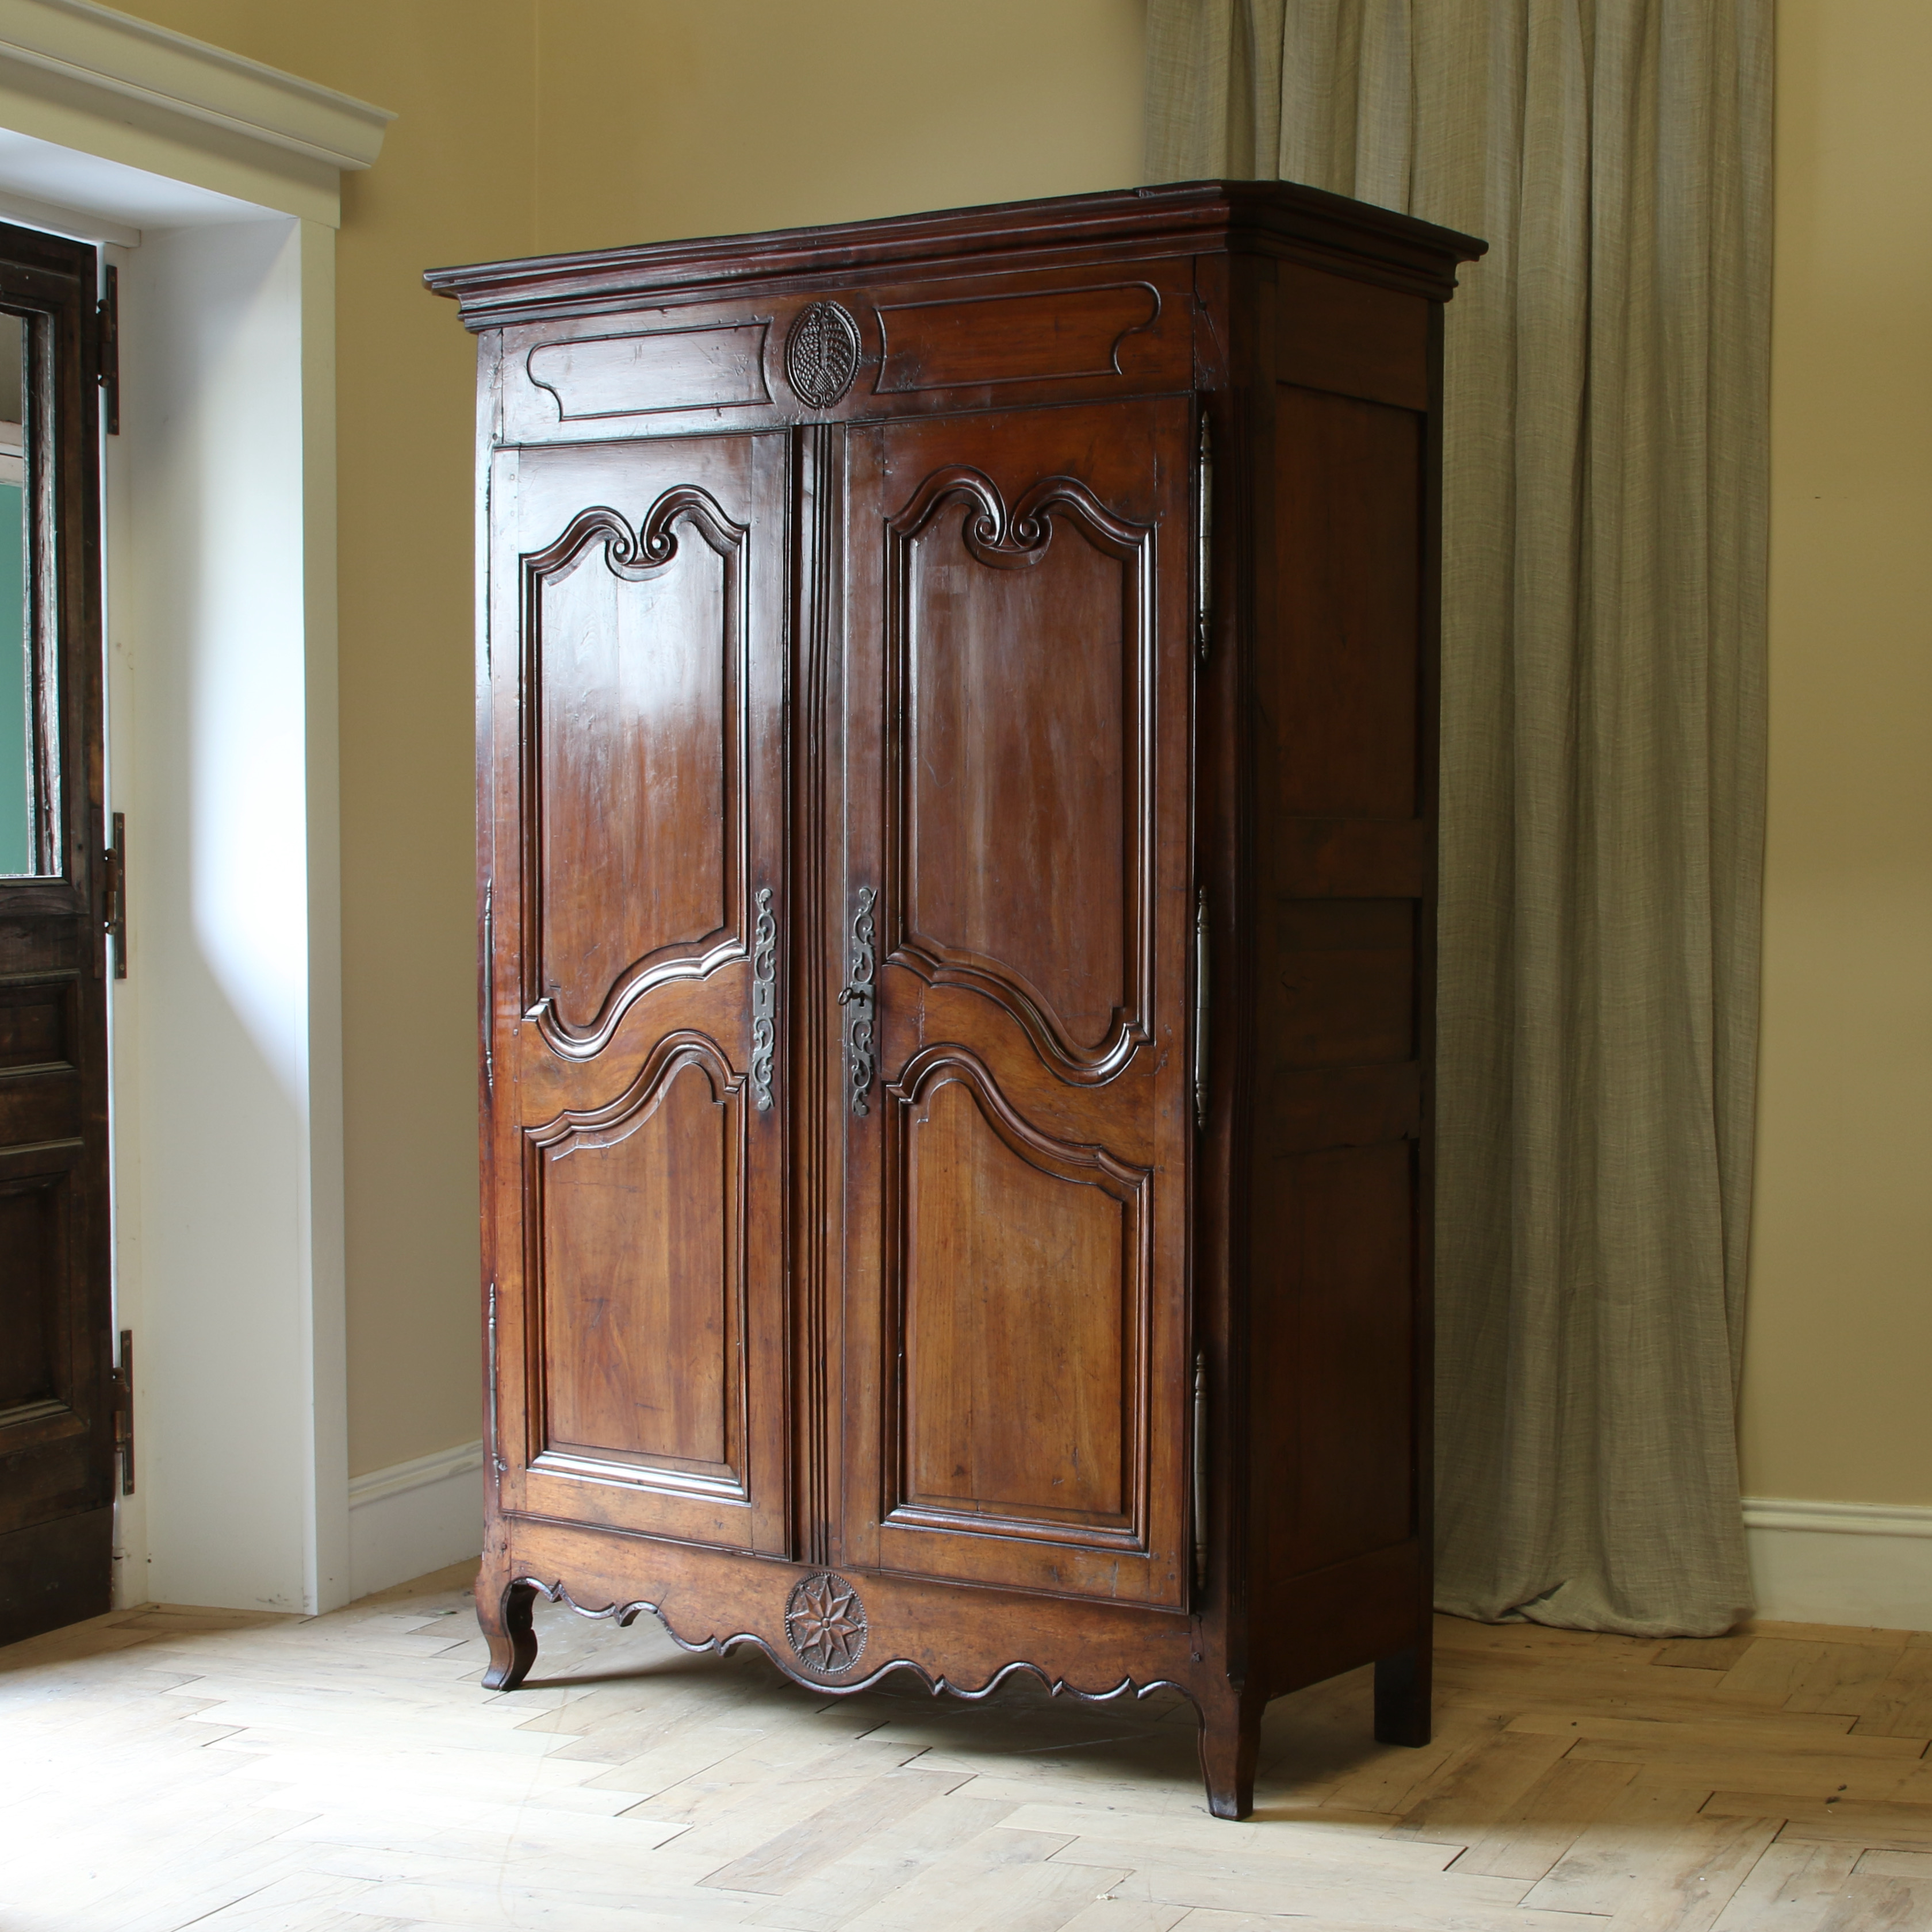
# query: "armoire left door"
x,y
636,915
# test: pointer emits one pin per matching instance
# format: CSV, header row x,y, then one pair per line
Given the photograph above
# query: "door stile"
x,y
499,888
854,919
818,475
505,1257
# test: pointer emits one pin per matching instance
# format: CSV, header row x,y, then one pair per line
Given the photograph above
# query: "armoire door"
x,y
1017,1112
636,1070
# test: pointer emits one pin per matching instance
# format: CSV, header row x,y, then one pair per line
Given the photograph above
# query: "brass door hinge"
x,y
124,1410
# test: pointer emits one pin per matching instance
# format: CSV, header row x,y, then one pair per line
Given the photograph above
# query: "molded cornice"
x,y
100,49
1306,224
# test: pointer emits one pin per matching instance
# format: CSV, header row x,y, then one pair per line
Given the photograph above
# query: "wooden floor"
x,y
171,1767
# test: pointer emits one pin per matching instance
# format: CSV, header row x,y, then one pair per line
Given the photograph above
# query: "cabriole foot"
x,y
503,1609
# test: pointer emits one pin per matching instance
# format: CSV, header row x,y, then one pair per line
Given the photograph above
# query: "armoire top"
x,y
1306,224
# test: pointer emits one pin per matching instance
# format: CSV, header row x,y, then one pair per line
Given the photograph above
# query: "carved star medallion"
x,y
826,1622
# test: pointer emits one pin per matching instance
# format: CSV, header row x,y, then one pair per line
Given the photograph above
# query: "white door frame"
x,y
216,183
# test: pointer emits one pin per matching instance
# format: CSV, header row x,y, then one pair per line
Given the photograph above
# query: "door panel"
x,y
638,739
639,1297
1016,690
1023,762
1023,1295
638,1154
57,1456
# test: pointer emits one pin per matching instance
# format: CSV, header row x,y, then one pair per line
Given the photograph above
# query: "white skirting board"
x,y
1867,1563
1863,1564
414,1517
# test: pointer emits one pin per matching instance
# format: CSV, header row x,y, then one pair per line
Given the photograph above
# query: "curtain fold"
x,y
1603,570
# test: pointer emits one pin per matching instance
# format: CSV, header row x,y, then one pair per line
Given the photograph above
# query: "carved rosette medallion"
x,y
822,354
826,1622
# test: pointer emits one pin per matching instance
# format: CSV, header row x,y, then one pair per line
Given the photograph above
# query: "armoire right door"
x,y
1019,918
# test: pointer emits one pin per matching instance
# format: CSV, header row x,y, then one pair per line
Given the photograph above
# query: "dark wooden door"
x,y
56,1376
1017,914
635,1085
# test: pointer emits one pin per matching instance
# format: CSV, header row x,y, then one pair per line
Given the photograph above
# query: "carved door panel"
x,y
635,1080
1017,1116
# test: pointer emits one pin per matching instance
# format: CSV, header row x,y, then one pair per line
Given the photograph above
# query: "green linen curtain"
x,y
1603,762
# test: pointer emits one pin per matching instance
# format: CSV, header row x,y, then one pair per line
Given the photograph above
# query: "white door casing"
x,y
214,182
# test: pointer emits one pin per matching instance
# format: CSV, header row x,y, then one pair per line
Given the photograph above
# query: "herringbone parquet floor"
x,y
171,1767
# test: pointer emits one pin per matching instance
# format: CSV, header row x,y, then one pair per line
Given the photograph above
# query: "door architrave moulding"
x,y
214,182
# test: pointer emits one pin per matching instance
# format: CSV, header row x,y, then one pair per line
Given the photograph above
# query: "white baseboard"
x,y
1863,1564
414,1517
1867,1564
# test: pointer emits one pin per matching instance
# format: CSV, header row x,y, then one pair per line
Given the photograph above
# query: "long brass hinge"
x,y
124,1410
114,908
107,338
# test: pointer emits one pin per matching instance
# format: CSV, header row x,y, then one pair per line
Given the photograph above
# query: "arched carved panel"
x,y
1019,658
635,1259
635,682
1020,1269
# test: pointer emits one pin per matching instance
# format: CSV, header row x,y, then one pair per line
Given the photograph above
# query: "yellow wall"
x,y
531,125
534,125
1838,1352
658,119
454,183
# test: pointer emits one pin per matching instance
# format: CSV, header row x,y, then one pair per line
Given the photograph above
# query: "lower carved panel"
x,y
713,1602
960,1643
637,1224
1021,1308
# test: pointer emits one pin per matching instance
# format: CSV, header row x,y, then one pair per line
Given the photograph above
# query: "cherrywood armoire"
x,y
956,721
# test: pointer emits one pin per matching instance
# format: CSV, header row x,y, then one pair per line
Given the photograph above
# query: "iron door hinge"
x,y
489,991
114,908
1203,540
107,349
1201,1470
124,1410
1201,1010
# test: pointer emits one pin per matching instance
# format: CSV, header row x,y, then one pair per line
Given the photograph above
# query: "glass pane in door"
x,y
16,666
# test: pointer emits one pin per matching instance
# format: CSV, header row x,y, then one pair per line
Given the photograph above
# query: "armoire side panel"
x,y
1339,682
1341,815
